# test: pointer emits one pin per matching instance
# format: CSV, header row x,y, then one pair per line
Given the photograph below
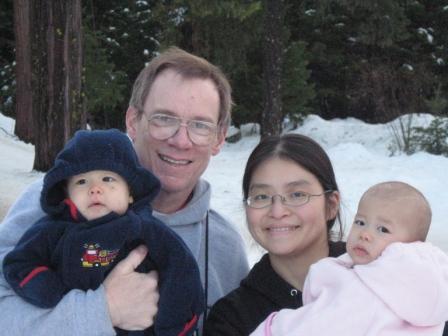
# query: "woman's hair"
x,y
303,151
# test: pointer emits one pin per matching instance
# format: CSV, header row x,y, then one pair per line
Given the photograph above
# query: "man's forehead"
x,y
194,98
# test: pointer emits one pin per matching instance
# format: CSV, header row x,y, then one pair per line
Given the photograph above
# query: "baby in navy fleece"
x,y
97,199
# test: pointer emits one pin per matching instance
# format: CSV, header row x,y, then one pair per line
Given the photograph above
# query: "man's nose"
x,y
181,138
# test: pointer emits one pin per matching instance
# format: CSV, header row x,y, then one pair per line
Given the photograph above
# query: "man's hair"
x,y
188,66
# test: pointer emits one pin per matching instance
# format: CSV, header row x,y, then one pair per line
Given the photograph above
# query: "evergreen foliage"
x,y
297,92
104,87
7,89
121,37
374,60
7,77
432,139
228,33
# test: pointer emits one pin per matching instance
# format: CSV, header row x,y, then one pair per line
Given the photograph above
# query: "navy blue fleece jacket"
x,y
63,250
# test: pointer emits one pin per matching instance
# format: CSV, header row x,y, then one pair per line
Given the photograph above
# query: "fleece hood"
x,y
109,150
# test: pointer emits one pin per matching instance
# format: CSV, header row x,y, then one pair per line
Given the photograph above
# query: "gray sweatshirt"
x,y
86,313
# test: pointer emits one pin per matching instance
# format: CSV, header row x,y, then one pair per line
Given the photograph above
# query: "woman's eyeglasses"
x,y
294,199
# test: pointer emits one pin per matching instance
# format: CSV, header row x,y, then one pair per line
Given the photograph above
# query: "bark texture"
x,y
53,81
271,123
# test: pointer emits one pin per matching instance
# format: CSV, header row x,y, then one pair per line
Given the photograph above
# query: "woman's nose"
x,y
278,209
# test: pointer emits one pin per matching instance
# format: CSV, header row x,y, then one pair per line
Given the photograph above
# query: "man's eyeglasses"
x,y
163,126
294,199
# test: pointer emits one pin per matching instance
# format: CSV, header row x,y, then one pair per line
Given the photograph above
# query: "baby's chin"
x,y
361,262
96,212
361,258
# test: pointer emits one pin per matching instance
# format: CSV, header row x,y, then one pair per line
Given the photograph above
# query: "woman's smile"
x,y
282,229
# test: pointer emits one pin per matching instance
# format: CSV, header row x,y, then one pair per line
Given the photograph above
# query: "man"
x,y
177,119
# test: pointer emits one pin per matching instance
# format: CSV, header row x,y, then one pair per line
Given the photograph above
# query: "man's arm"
x,y
78,313
22,318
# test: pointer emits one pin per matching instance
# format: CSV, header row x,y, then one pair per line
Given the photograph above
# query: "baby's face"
x,y
99,192
377,224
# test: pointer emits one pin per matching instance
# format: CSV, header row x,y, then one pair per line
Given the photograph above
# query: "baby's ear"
x,y
131,199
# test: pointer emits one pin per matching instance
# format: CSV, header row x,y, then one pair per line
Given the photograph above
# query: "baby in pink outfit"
x,y
390,282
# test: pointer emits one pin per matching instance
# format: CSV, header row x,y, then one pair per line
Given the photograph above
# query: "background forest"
x,y
373,60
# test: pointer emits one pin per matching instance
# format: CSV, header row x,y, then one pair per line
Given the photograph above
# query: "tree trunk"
x,y
75,113
24,118
271,119
56,80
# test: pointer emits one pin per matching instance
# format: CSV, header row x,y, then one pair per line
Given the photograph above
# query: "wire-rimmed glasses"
x,y
294,199
164,126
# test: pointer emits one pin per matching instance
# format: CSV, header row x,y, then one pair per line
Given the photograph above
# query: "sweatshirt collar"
x,y
265,280
268,283
194,211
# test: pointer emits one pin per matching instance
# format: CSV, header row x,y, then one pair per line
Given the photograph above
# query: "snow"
x,y
359,153
310,12
424,31
17,162
408,67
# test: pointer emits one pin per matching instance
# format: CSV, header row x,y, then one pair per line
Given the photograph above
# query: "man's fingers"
x,y
131,262
154,275
132,297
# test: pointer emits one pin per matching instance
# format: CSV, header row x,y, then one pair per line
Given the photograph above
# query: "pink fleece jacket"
x,y
403,292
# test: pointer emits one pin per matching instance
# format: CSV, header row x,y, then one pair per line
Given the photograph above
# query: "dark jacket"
x,y
64,251
262,292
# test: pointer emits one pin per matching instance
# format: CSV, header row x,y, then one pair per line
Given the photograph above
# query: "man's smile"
x,y
174,161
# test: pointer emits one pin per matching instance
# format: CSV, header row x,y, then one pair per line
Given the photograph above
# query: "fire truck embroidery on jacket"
x,y
95,257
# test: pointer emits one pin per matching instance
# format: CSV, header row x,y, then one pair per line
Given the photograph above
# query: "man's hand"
x,y
132,297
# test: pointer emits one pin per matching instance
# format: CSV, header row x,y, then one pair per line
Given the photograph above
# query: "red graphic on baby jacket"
x,y
94,257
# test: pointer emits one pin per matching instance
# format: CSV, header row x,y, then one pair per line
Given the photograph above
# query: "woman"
x,y
292,202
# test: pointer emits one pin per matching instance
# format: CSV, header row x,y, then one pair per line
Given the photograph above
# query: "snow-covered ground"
x,y
16,160
359,152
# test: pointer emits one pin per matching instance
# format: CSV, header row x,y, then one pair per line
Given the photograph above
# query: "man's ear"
x,y
333,204
131,199
132,118
220,140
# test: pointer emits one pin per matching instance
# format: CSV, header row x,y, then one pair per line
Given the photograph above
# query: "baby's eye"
x,y
81,182
108,179
383,229
359,222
